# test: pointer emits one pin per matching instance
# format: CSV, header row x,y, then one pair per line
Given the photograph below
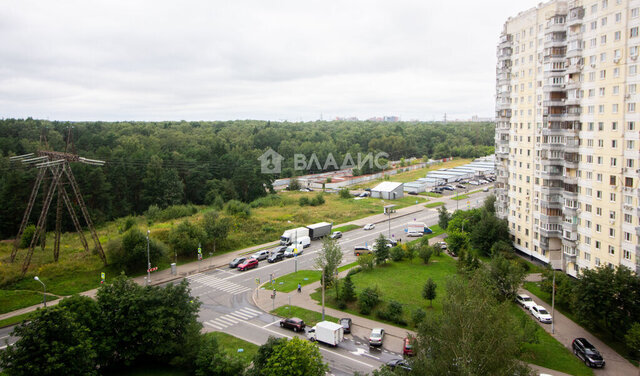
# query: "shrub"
x,y
417,316
130,252
267,201
393,313
348,290
304,201
185,238
353,271
425,254
344,193
368,299
126,224
27,235
366,261
294,184
397,254
342,304
237,208
171,212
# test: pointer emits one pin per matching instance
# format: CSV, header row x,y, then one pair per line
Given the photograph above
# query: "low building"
x,y
415,187
388,190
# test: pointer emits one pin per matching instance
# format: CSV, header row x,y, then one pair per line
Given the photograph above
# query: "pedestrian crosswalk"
x,y
233,318
209,281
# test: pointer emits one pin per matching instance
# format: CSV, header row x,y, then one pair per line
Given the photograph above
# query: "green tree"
x,y
425,253
487,232
215,228
186,237
418,316
130,252
366,261
457,241
503,248
397,254
344,193
381,250
348,290
472,336
429,291
265,351
632,338
213,361
368,299
328,260
490,204
443,217
51,343
505,277
296,357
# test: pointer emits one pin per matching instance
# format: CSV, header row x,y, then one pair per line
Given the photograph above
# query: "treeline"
x,y
169,163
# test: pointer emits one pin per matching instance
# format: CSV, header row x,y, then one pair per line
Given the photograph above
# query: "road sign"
x,y
152,269
199,250
257,281
102,275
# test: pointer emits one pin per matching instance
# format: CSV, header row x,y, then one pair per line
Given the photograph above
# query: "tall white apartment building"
x,y
567,133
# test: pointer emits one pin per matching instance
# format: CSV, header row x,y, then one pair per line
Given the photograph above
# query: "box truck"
x,y
417,229
319,230
289,236
327,332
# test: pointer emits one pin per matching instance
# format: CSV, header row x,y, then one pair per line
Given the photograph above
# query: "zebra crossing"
x,y
204,281
233,318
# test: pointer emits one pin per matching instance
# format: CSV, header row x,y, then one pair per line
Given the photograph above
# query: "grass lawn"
x,y
289,282
402,282
310,318
347,266
231,344
345,228
432,194
549,352
459,197
434,204
10,300
15,319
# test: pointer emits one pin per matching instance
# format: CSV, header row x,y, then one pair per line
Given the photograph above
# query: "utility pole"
x,y
44,293
553,303
322,271
148,260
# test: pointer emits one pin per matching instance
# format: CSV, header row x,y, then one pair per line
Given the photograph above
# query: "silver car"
x,y
261,255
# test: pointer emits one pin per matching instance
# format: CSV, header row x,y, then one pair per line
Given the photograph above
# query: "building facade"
x,y
567,133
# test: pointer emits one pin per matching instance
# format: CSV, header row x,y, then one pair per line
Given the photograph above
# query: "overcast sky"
x,y
259,59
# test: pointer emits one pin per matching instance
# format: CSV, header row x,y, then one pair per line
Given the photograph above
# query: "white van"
x,y
303,241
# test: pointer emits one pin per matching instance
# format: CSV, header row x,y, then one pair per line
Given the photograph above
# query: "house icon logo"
x,y
270,162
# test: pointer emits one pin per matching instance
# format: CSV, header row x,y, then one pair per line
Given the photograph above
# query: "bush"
x,y
130,252
368,299
237,208
171,212
366,261
344,193
348,290
353,271
126,224
417,316
294,184
317,200
342,304
267,201
184,238
27,235
397,254
304,201
425,254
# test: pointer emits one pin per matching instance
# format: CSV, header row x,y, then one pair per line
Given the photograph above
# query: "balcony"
x,y
551,204
574,52
570,254
573,180
570,163
555,43
546,190
569,195
571,211
573,229
573,84
573,68
555,27
554,103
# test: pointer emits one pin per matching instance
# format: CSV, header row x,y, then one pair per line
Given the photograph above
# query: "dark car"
x,y
336,235
275,257
346,325
248,264
587,353
461,186
436,190
399,363
237,261
293,323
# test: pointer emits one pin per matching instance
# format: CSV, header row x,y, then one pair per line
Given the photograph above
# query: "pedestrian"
x,y
299,287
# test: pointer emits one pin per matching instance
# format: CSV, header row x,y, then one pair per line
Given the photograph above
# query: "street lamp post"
x,y
322,271
44,293
148,260
553,303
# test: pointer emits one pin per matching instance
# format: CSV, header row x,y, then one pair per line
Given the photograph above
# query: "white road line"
x,y
211,324
238,315
245,315
321,348
275,322
251,310
227,320
4,337
3,347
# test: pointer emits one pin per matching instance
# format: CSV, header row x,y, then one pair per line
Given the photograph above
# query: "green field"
x,y
310,318
459,197
13,320
434,204
345,228
10,300
290,281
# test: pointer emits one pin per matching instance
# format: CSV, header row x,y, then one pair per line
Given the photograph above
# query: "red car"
x,y
249,264
407,348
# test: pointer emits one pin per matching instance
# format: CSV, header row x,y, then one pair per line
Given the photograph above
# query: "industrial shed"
x,y
415,187
388,190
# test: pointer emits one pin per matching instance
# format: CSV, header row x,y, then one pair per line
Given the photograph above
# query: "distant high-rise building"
x,y
567,136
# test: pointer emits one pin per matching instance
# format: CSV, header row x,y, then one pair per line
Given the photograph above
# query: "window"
x,y
598,196
627,255
614,143
627,236
614,108
599,176
628,182
612,180
616,72
598,245
594,8
631,107
603,22
603,74
612,197
614,162
633,51
601,109
631,126
634,12
633,32
614,126
599,214
617,35
612,250
612,214
632,88
587,208
616,90
600,128
630,145
618,17
633,69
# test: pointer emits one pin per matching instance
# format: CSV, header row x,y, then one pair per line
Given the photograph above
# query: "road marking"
x,y
252,310
321,348
228,319
205,280
213,325
239,315
275,322
4,337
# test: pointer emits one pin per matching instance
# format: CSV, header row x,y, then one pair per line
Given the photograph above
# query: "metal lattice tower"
x,y
56,166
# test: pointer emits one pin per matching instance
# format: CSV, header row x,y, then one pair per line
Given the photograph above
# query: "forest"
x,y
172,163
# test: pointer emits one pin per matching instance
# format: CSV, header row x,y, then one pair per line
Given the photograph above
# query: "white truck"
x,y
417,229
319,230
290,236
327,332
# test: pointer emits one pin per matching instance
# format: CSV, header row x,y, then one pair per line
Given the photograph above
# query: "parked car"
x,y
336,235
248,264
361,250
261,255
346,325
407,347
525,301
279,249
391,242
364,194
413,193
460,186
436,190
399,363
376,337
442,245
587,352
293,323
448,188
293,251
275,257
473,182
482,181
369,226
237,261
485,189
541,313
